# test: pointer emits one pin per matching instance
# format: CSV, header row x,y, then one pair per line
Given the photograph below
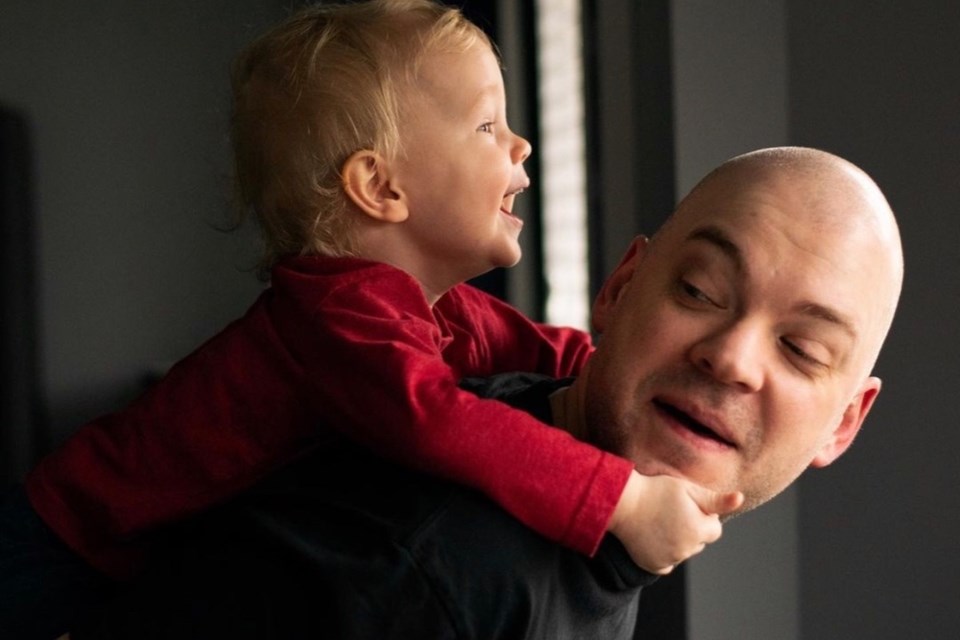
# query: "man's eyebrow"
x,y
834,317
718,238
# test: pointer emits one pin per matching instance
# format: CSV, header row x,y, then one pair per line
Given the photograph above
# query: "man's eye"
x,y
797,350
693,292
486,127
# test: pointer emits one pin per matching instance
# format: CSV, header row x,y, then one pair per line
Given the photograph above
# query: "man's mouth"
x,y
692,424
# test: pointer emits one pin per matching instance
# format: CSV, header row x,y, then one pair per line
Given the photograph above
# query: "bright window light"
x,y
561,152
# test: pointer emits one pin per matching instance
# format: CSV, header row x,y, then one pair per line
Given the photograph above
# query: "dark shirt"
x,y
45,588
345,545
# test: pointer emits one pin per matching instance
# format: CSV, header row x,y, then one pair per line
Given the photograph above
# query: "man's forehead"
x,y
716,236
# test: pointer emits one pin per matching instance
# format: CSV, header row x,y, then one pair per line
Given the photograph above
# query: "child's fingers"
x,y
711,529
713,503
665,571
728,503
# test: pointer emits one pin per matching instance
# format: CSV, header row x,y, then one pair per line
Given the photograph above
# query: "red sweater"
x,y
335,344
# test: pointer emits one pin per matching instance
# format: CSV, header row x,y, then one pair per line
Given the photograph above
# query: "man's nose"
x,y
733,355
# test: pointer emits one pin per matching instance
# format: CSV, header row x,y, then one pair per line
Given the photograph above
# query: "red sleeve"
x,y
490,336
372,353
220,420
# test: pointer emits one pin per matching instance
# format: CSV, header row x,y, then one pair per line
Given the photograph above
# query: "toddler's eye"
x,y
486,127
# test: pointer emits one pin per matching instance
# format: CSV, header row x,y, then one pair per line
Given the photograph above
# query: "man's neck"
x,y
567,407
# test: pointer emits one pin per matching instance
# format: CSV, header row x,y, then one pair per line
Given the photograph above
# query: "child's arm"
x,y
222,418
662,520
373,353
491,337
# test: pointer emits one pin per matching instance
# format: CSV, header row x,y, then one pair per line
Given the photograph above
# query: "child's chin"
x,y
511,260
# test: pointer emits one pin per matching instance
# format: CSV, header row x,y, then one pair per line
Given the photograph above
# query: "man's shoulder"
x,y
529,392
499,579
342,521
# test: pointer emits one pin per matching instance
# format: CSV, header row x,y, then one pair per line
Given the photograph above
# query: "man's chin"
x,y
730,516
692,474
658,468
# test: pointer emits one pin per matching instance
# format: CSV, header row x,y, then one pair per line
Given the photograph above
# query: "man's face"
x,y
460,167
738,354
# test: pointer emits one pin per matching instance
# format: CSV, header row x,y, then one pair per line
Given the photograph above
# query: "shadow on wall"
x,y
21,432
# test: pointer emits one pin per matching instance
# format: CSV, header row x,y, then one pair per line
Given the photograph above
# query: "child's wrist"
x,y
627,503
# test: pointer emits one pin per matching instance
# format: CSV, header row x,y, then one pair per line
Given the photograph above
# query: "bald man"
x,y
737,346
736,351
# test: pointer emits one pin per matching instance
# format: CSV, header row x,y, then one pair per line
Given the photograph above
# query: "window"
x,y
562,162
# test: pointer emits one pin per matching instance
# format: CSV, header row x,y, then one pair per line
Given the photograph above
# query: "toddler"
x,y
372,146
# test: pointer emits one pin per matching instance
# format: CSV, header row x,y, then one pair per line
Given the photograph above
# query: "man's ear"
x,y
366,181
842,437
615,284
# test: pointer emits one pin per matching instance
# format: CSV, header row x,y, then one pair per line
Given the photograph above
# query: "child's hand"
x,y
662,520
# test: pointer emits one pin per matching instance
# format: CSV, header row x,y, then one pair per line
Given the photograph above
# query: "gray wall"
x,y
730,96
128,103
879,82
874,535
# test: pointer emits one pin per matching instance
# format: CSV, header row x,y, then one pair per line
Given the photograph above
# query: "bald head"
x,y
737,345
830,190
816,191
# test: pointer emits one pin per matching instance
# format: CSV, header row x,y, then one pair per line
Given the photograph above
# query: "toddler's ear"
x,y
366,182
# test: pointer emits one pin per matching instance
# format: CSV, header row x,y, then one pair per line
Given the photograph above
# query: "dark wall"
x,y
730,94
880,84
20,395
128,105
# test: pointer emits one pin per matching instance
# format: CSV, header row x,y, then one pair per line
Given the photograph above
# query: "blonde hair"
x,y
312,91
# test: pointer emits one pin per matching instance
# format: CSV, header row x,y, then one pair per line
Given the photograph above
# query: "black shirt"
x,y
345,545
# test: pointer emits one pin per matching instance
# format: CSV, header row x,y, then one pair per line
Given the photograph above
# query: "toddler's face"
x,y
460,168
